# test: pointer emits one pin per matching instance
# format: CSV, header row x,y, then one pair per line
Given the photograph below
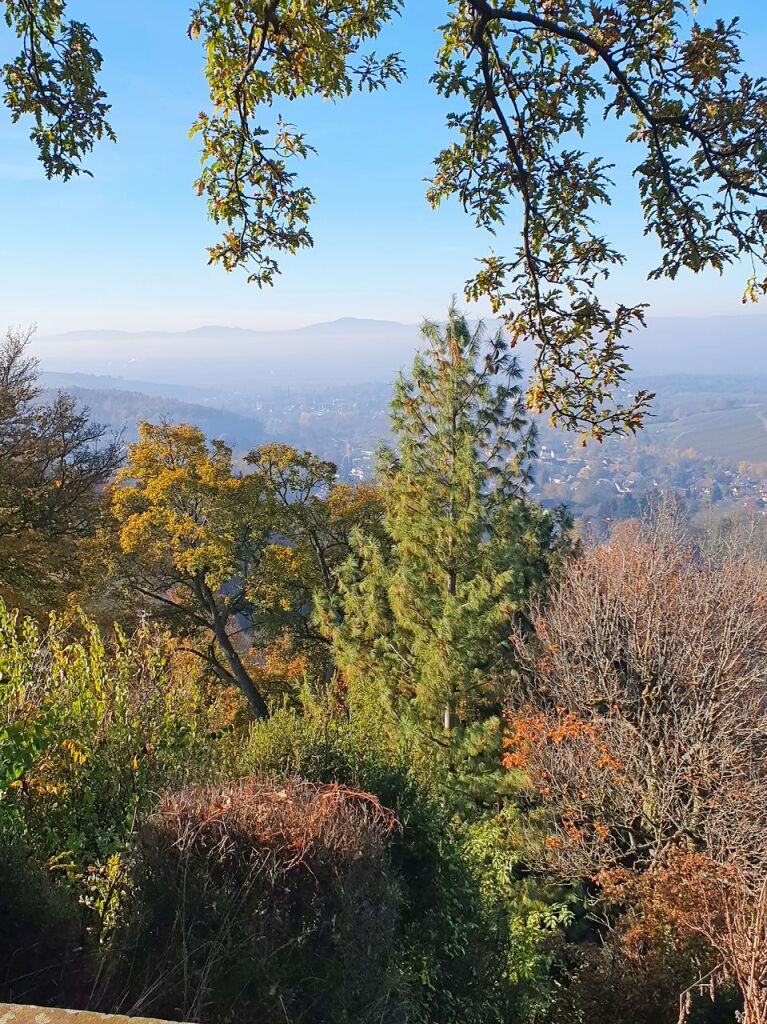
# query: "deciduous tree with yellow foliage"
x,y
234,559
192,532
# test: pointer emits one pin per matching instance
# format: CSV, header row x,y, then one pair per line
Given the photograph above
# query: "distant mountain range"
x,y
322,355
224,361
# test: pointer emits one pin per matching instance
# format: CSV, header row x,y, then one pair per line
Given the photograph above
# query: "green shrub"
x,y
533,916
90,732
475,940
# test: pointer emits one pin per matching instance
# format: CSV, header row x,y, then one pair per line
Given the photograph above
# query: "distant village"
x,y
613,480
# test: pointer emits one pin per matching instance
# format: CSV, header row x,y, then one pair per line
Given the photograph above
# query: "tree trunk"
x,y
241,678
755,989
448,714
237,672
755,1007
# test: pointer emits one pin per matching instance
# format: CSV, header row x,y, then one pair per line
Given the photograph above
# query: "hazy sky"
x,y
125,249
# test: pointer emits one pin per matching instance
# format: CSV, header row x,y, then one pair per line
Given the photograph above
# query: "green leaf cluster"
x,y
259,52
90,730
54,80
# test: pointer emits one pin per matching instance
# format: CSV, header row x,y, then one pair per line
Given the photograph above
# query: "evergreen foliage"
x,y
477,941
424,612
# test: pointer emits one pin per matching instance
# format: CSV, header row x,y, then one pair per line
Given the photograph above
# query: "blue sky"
x,y
125,249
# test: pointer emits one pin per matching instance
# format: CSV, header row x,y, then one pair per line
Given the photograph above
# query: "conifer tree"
x,y
423,615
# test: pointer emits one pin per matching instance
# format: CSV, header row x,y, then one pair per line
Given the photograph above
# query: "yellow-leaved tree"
x,y
190,531
234,559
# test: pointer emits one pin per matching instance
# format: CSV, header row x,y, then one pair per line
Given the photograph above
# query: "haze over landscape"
x,y
326,387
355,351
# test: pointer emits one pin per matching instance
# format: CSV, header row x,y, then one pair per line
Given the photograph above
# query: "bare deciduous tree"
x,y
643,730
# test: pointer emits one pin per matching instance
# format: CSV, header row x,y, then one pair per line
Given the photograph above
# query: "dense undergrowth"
x,y
289,888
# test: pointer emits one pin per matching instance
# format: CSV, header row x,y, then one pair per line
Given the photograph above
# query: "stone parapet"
x,y
11,1014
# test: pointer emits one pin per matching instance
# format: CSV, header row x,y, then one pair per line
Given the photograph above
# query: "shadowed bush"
x,y
41,959
461,910
262,901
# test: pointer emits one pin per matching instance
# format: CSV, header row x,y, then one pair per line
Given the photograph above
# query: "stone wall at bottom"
x,y
10,1014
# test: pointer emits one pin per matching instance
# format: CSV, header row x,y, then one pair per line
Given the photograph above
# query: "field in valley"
x,y
737,434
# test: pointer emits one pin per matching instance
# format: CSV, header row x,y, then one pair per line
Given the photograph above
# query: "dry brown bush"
x,y
644,721
283,825
721,904
261,901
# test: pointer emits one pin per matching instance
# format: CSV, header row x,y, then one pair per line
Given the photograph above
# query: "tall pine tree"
x,y
423,615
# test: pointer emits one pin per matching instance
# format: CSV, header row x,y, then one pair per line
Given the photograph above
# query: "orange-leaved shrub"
x,y
640,728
